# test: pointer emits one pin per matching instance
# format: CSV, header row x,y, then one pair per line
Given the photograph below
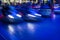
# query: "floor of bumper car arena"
x,y
49,29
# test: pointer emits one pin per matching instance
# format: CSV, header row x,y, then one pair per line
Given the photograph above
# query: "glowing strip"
x,y
10,16
31,15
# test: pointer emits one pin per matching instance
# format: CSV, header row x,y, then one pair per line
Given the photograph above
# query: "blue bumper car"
x,y
30,14
45,11
56,9
12,15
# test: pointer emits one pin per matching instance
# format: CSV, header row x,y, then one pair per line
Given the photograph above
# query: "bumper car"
x,y
11,15
56,9
45,11
30,14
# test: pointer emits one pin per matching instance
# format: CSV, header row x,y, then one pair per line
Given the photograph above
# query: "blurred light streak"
x,y
38,14
10,28
31,27
53,16
31,15
10,16
18,15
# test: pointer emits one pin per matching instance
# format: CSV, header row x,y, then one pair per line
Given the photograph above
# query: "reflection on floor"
x,y
49,29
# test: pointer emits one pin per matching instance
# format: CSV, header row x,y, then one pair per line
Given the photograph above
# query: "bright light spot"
x,y
31,15
10,16
18,15
38,14
11,30
54,16
31,27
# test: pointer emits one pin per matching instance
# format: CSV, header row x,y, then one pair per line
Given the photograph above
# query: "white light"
x,y
18,15
11,30
31,15
38,14
10,16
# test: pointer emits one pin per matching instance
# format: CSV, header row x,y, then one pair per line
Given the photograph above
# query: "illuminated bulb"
x,y
10,16
31,15
38,14
18,15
